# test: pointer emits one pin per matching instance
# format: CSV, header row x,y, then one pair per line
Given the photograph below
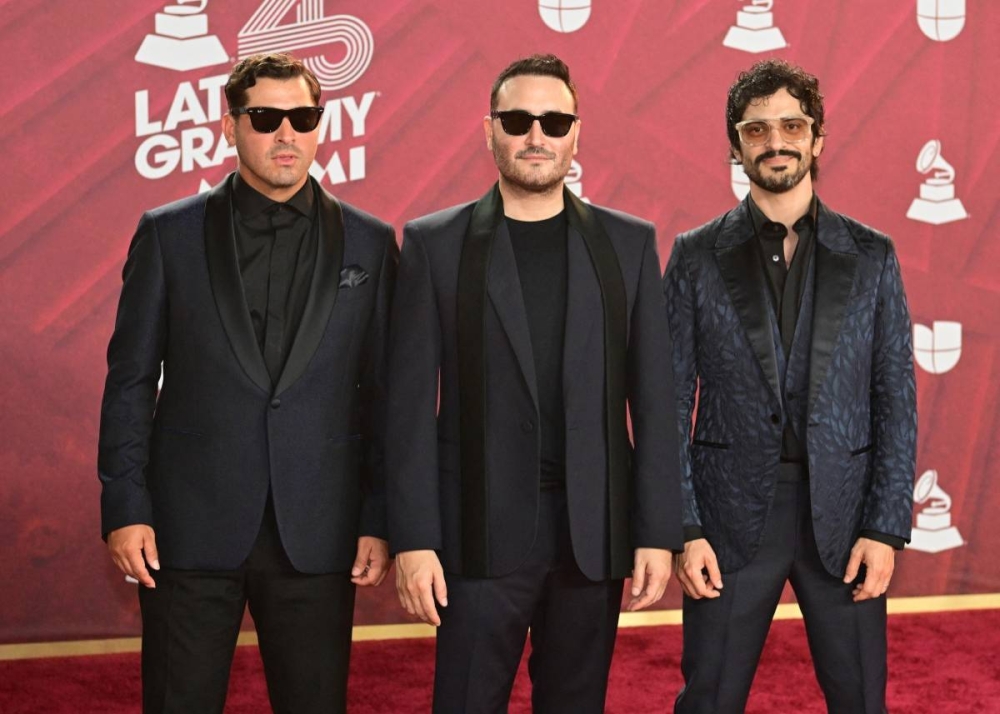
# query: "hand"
x,y
691,566
128,545
371,564
879,560
649,577
419,580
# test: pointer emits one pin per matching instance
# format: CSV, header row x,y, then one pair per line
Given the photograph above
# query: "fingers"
x,y
419,579
361,561
128,546
853,564
701,584
656,584
425,601
440,588
682,578
638,578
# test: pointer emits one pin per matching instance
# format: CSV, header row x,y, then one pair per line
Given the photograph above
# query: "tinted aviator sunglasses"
x,y
266,120
517,122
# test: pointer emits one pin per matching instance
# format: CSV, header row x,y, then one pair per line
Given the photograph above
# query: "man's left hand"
x,y
879,560
649,577
372,562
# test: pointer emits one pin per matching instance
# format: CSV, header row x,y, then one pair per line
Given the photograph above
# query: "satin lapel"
x,y
836,265
583,306
504,289
610,288
739,262
322,291
227,285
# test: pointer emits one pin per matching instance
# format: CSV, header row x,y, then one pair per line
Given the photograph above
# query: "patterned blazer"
x,y
849,389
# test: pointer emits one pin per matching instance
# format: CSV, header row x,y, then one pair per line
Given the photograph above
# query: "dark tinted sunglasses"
x,y
517,122
267,119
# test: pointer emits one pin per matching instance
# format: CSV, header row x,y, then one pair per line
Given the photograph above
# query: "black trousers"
x,y
191,620
573,623
724,637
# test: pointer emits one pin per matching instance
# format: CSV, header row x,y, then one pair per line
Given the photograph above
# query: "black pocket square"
x,y
352,276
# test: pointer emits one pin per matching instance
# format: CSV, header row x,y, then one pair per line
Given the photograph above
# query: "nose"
x,y
535,136
774,138
285,133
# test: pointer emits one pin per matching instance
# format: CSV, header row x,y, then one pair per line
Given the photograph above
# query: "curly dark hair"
x,y
277,65
764,79
539,65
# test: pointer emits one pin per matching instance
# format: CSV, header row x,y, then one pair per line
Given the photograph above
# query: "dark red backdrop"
x,y
652,75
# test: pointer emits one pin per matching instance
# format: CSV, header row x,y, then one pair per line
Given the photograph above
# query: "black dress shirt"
x,y
276,244
540,252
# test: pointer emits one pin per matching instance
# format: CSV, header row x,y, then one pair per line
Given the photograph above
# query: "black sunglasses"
x,y
517,122
267,119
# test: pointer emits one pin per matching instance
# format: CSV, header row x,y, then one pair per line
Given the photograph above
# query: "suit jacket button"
x,y
275,403
527,426
775,419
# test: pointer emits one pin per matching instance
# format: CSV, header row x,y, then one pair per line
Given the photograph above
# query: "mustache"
x,y
535,151
289,149
773,154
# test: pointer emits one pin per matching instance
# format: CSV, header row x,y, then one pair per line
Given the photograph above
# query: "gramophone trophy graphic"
x,y
937,203
934,531
754,30
181,40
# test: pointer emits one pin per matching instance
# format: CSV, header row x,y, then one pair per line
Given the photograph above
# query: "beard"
x,y
778,181
531,181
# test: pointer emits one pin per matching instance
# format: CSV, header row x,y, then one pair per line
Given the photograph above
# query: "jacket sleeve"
x,y
135,354
889,504
414,363
680,309
374,395
656,507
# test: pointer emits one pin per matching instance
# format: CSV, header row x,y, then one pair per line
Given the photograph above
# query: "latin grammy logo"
x,y
937,349
941,20
181,40
564,15
574,181
754,30
739,181
933,532
937,203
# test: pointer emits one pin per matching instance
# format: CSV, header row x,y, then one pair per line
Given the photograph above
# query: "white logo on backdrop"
x,y
264,32
181,40
941,20
754,30
933,531
937,203
739,181
574,181
564,15
937,349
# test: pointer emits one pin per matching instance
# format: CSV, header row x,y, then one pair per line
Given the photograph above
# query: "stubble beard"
x,y
530,181
780,181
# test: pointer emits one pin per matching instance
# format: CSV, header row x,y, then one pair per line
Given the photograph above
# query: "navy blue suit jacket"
x,y
195,461
847,387
425,480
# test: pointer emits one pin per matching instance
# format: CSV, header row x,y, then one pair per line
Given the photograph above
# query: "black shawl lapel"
x,y
473,271
836,265
739,262
227,285
611,286
504,288
322,291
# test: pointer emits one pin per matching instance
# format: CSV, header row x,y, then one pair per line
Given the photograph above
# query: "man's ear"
x,y
229,128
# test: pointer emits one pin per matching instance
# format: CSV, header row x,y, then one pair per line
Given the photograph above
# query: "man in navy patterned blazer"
x,y
790,323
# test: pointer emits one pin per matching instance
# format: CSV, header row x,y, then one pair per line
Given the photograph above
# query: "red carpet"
x,y
946,663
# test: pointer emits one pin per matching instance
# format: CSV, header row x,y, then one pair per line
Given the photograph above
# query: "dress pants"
x,y
573,623
724,637
191,620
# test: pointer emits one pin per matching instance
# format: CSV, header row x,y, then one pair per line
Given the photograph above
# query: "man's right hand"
x,y
128,545
419,580
691,566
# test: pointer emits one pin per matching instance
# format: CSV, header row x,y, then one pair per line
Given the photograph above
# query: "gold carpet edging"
x,y
363,633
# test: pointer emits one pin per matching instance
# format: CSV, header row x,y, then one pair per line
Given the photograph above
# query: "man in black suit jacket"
x,y
254,476
538,320
792,351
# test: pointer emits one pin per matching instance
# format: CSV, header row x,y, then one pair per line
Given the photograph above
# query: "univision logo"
x,y
564,15
937,349
941,20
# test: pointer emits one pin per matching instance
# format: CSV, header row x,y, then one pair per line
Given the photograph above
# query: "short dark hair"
x,y
537,65
764,79
277,65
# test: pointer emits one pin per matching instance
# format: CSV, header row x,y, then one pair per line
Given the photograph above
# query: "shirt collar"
x,y
250,202
766,229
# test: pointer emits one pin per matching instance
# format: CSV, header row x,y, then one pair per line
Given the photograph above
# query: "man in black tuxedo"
x,y
792,351
255,475
539,320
